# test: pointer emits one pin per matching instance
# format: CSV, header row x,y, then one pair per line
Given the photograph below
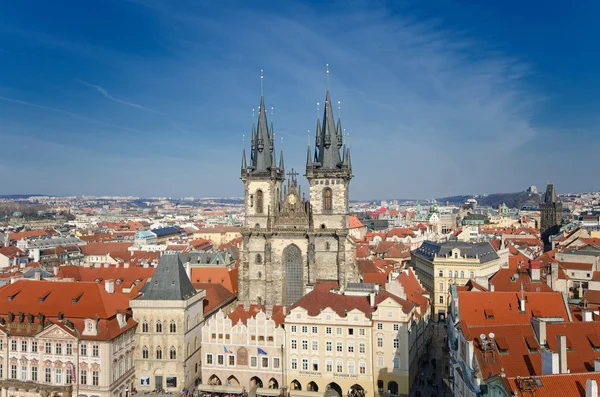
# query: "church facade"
x,y
289,242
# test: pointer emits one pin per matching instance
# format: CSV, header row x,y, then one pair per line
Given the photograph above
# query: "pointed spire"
x,y
281,160
263,152
244,159
329,152
348,161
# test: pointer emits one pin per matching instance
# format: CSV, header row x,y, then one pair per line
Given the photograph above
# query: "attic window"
x,y
76,299
489,314
11,297
595,341
502,345
532,344
43,297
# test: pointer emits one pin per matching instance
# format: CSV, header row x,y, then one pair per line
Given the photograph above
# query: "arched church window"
x,y
158,353
259,202
173,353
158,326
172,327
259,274
327,204
145,326
258,259
145,352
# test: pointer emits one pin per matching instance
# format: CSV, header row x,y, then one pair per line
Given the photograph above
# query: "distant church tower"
x,y
288,242
551,216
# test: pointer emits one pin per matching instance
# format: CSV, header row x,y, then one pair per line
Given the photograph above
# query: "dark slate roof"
x,y
165,231
484,251
201,258
170,282
475,217
44,274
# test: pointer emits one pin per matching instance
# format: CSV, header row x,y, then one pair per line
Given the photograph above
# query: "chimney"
x,y
372,299
126,265
597,365
55,270
6,240
586,315
549,363
591,388
491,287
106,265
539,327
521,304
109,286
146,265
562,353
37,276
117,265
534,270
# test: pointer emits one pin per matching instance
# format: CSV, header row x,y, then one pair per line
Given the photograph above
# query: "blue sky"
x,y
146,97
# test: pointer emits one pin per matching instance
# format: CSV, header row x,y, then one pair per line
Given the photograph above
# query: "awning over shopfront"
x,y
302,393
267,392
220,389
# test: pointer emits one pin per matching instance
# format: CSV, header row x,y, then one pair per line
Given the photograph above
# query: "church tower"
x,y
262,193
288,242
550,216
329,173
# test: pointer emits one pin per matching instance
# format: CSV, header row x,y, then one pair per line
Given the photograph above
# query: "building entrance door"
x,y
158,381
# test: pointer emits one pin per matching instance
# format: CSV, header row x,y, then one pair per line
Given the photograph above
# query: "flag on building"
x,y
226,350
261,351
72,370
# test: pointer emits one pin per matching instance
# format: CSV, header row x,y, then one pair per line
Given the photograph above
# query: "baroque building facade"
x,y
79,342
289,242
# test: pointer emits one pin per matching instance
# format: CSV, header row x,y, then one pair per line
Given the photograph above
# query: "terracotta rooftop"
x,y
215,274
563,385
474,308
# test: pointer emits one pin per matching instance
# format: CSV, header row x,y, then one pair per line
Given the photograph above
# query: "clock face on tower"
x,y
292,199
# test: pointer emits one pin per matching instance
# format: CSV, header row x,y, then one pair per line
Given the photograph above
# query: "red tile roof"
x,y
92,301
239,314
563,385
216,296
31,233
99,249
215,274
122,277
354,223
505,305
11,251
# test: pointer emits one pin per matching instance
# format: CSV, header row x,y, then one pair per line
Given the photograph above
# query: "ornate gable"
x,y
55,332
294,211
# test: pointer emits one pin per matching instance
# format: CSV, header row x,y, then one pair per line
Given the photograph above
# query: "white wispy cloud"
x,y
67,113
105,93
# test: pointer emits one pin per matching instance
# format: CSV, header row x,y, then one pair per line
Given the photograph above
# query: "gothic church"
x,y
288,242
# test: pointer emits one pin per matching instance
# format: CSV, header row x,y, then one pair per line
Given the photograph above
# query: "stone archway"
x,y
255,381
333,390
292,263
295,385
232,381
214,380
273,384
392,387
312,386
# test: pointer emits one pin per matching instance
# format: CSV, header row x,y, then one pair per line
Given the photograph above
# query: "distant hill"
x,y
512,200
19,196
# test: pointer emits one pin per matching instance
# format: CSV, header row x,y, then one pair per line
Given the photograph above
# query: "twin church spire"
x,y
262,144
330,152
